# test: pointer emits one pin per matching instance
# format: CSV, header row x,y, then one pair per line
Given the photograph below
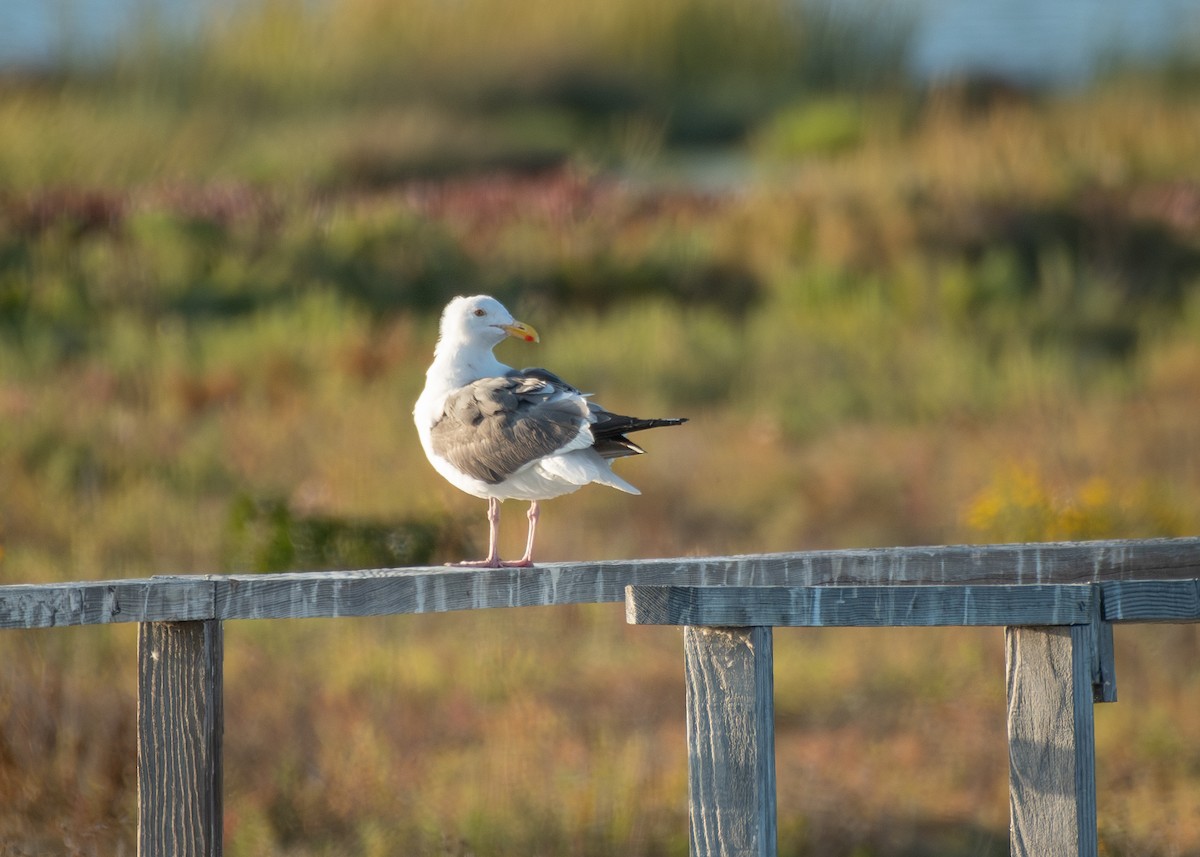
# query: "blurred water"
x,y
1063,41
40,32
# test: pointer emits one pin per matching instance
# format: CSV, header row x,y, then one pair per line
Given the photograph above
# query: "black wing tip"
x,y
637,424
614,444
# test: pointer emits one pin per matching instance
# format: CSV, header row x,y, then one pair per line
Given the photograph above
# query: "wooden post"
x,y
179,722
731,741
1051,741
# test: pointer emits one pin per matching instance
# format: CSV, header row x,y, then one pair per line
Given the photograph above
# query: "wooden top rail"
x,y
432,590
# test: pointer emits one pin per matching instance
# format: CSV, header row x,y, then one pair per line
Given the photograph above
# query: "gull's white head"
x,y
480,320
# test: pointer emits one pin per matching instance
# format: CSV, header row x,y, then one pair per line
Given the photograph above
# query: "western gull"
x,y
499,433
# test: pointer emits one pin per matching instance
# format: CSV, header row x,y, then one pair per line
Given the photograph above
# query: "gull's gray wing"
x,y
493,427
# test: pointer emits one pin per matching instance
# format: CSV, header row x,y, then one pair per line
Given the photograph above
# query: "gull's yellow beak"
x,y
520,330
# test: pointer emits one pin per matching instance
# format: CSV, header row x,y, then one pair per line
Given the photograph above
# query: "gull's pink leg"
x,y
493,557
527,560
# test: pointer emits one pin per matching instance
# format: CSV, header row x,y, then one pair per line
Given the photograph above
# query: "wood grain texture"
x,y
101,602
859,606
1151,601
431,590
1051,742
180,722
731,741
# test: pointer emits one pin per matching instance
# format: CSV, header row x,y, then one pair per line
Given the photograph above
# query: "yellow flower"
x,y
1019,505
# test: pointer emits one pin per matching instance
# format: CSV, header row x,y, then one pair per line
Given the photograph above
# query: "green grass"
x,y
919,323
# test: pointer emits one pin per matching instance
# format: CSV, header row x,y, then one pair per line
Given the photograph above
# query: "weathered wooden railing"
x,y
1057,603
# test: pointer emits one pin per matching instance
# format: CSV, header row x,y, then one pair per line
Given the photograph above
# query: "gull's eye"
x,y
480,313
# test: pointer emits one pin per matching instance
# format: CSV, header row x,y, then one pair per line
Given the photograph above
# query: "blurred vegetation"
x,y
968,312
364,92
268,535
